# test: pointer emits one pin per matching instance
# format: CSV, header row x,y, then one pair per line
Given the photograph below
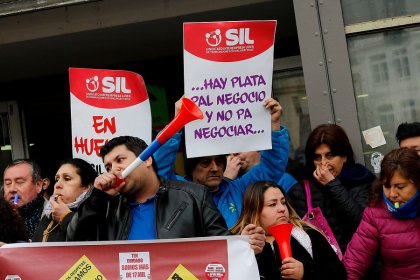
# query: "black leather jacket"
x,y
182,209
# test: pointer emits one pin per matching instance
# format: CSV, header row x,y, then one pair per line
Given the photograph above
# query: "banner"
x,y
106,104
209,258
228,70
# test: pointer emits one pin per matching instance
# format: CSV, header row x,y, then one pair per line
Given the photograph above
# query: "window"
x,y
400,63
379,68
356,11
386,84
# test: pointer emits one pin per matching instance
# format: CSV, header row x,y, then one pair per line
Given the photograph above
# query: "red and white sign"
x,y
135,265
106,104
213,258
228,70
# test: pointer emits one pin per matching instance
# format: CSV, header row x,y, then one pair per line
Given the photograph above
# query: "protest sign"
x,y
106,104
228,69
209,258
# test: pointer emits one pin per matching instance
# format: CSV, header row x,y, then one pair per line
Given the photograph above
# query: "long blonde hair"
x,y
253,203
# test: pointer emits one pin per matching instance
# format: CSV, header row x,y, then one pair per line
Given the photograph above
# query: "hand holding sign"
x,y
275,109
231,92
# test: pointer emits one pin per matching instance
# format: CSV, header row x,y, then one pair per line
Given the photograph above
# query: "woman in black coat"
x,y
72,181
265,205
338,185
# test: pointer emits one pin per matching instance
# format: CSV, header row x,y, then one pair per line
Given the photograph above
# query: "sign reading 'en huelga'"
x,y
106,104
228,70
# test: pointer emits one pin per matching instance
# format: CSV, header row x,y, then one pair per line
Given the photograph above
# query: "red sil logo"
x,y
228,41
215,271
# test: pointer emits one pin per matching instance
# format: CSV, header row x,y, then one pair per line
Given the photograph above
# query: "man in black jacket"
x,y
146,207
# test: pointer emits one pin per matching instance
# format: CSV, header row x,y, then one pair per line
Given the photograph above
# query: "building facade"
x,y
350,62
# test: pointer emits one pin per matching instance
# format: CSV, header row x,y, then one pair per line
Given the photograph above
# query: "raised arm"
x,y
165,156
273,162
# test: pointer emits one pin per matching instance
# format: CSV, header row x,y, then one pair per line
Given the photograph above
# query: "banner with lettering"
x,y
106,104
209,258
228,70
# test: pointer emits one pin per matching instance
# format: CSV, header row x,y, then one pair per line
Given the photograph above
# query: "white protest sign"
x,y
106,104
134,265
228,69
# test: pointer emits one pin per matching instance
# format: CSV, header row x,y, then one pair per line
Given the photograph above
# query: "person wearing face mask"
x,y
73,180
390,225
265,204
339,186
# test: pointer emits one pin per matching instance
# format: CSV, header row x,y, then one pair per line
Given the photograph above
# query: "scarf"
x,y
31,214
303,238
408,210
73,205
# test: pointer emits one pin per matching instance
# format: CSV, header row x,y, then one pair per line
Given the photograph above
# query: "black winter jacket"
x,y
324,264
342,200
57,233
182,209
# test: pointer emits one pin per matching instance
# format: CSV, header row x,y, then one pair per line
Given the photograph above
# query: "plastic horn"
x,y
282,233
188,113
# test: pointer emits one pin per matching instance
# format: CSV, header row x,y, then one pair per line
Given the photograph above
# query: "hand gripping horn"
x,y
282,234
188,113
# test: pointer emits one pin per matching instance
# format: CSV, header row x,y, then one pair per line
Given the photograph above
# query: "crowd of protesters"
x,y
374,220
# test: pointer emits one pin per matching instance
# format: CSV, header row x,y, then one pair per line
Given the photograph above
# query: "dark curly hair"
x,y
12,227
405,161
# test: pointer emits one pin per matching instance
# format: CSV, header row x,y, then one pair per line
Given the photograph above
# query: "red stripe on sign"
x,y
107,88
229,41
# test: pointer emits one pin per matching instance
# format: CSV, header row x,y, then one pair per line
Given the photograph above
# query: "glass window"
x,y
400,60
356,11
385,68
379,68
289,89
